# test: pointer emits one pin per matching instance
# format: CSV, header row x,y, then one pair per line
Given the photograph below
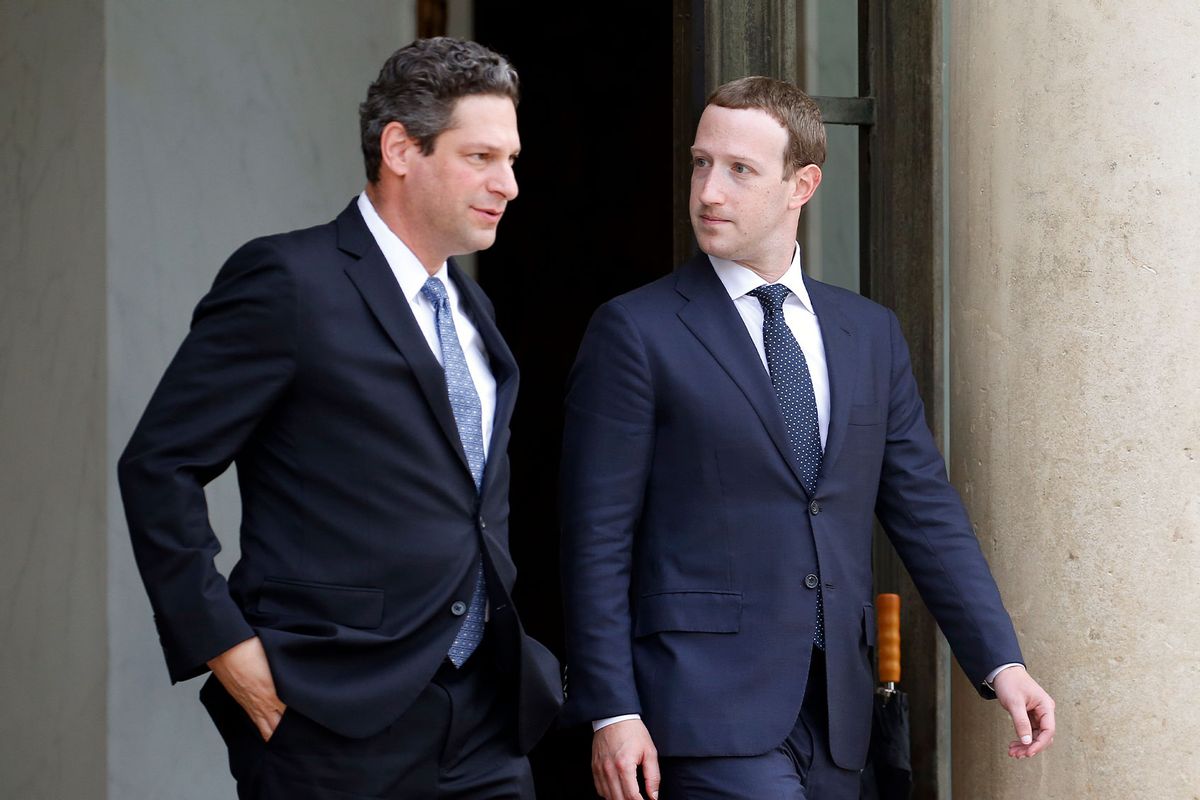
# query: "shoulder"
x,y
651,299
294,259
292,248
856,308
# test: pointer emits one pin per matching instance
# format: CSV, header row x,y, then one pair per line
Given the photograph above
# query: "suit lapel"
x,y
374,280
838,338
711,316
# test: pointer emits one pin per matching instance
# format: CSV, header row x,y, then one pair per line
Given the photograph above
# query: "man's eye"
x,y
741,169
699,163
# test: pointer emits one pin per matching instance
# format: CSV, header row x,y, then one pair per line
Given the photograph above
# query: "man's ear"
x,y
397,148
804,185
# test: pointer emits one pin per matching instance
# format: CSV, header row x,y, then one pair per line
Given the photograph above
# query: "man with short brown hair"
x,y
732,430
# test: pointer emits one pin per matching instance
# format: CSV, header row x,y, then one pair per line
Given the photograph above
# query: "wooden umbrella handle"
x,y
887,614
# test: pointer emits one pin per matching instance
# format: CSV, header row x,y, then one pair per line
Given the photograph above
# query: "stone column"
x,y
226,121
1075,375
141,143
53,650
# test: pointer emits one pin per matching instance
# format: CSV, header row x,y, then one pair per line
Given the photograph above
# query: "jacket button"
x,y
811,580
814,508
458,608
482,524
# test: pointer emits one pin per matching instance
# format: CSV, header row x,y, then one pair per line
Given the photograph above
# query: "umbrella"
x,y
888,774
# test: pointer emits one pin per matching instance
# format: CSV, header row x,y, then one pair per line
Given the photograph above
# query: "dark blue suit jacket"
x,y
688,535
361,524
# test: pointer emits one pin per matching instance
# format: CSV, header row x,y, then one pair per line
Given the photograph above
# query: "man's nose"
x,y
709,190
504,182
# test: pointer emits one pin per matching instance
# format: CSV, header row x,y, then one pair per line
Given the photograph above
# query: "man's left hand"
x,y
1031,708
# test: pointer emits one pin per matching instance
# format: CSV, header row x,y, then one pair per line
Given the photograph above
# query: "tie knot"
x,y
771,296
435,290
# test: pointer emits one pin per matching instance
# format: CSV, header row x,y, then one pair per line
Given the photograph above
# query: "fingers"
x,y
606,775
628,783
617,750
1043,713
599,783
617,780
651,774
246,674
1041,740
1036,715
1021,723
1031,709
267,721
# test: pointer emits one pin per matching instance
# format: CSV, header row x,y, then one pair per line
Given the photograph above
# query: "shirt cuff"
x,y
604,723
991,678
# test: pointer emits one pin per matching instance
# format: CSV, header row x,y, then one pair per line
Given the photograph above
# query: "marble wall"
x,y
226,120
53,463
1075,375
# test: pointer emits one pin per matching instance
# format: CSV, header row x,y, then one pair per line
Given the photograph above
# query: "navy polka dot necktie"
x,y
794,390
468,416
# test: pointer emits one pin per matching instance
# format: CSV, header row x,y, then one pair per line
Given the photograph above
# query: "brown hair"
x,y
793,109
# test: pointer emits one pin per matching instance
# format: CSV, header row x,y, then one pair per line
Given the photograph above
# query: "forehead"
x,y
490,119
748,132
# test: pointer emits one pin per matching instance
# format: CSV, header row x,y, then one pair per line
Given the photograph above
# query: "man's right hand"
x,y
244,672
617,750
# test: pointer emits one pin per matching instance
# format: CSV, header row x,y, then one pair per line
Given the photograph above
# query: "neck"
x,y
390,208
772,266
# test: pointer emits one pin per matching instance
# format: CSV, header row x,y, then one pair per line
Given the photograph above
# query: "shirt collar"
x,y
739,280
407,268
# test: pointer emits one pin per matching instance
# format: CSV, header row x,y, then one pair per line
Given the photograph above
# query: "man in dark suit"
x,y
365,645
731,428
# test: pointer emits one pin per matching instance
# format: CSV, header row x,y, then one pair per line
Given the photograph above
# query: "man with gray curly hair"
x,y
366,643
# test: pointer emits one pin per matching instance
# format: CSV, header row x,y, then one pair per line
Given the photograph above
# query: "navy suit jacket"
x,y
361,524
688,535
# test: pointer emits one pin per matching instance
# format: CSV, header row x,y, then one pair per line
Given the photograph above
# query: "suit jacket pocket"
x,y
700,612
352,606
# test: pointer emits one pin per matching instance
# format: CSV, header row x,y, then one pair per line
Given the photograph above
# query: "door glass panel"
x,y
829,224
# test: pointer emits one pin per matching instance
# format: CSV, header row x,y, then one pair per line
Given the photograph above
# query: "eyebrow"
x,y
477,145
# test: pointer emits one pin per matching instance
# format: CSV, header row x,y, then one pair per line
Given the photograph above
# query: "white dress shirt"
x,y
798,313
802,321
411,276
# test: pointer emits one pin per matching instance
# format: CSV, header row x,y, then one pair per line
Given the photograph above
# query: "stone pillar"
x,y
53,651
1075,375
226,121
142,142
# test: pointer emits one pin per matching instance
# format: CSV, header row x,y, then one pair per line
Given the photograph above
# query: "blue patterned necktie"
x,y
468,416
794,390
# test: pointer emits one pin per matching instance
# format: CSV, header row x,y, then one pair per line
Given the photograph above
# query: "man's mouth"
x,y
490,214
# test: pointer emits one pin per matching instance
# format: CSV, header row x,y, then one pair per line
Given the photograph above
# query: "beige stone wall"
x,y
1075,375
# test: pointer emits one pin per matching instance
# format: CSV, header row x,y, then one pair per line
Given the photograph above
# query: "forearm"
x,y
928,525
233,365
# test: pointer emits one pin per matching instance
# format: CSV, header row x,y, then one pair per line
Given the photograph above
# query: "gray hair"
x,y
419,86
